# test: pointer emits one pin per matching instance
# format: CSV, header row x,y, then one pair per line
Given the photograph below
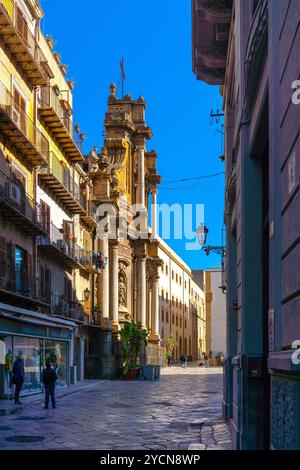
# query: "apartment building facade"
x,y
182,305
48,248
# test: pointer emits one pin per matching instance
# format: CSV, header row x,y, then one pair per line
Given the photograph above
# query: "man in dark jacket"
x,y
18,376
49,379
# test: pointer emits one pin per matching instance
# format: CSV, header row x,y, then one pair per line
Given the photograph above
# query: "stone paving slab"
x,y
181,411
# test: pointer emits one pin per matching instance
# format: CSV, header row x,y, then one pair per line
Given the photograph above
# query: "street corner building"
x,y
250,49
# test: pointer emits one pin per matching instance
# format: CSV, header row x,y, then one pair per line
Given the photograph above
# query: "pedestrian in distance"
x,y
49,378
18,376
169,359
182,360
205,358
185,362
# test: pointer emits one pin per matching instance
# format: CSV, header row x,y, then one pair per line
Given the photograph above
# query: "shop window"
x,y
57,353
31,351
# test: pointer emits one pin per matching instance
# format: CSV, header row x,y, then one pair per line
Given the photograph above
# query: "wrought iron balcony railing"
x,y
56,113
61,248
58,179
20,131
89,217
14,280
17,207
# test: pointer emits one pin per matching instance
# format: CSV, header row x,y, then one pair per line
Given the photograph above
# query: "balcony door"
x,y
20,272
19,111
21,25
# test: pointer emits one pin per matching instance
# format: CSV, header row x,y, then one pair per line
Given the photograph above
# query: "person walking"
x,y
18,376
185,362
169,359
49,378
205,358
182,360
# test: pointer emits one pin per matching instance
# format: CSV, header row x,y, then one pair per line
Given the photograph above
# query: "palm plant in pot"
x,y
133,337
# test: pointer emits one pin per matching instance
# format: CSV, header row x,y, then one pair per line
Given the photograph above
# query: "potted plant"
x,y
50,41
63,68
71,84
133,337
57,56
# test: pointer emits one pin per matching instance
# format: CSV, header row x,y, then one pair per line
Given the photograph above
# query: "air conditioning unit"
x,y
16,117
13,193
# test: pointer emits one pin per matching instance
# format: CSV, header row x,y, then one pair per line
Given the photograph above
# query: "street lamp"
x,y
86,294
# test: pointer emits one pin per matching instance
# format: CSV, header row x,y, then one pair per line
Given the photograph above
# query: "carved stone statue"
x,y
93,160
103,160
114,179
122,289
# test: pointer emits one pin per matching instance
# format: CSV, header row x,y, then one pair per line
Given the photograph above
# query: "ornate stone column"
x,y
141,178
154,337
142,290
105,279
149,304
114,308
154,212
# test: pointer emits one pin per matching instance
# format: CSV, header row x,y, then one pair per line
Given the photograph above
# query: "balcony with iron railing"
x,y
60,247
17,283
55,113
89,216
58,180
19,209
20,132
22,45
68,308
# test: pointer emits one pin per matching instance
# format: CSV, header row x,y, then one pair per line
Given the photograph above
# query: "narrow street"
x,y
181,411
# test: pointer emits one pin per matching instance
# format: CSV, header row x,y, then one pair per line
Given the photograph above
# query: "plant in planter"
x,y
133,337
50,41
63,68
57,56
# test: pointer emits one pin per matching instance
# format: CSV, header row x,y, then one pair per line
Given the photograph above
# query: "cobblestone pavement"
x,y
181,411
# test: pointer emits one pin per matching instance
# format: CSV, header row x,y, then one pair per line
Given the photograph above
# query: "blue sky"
x,y
155,40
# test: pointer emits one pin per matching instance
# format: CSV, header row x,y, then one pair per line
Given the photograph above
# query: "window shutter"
x,y
13,265
42,281
31,283
70,290
48,285
2,261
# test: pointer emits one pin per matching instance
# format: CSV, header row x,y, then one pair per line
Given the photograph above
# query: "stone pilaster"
x,y
154,212
154,336
142,290
114,307
105,280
